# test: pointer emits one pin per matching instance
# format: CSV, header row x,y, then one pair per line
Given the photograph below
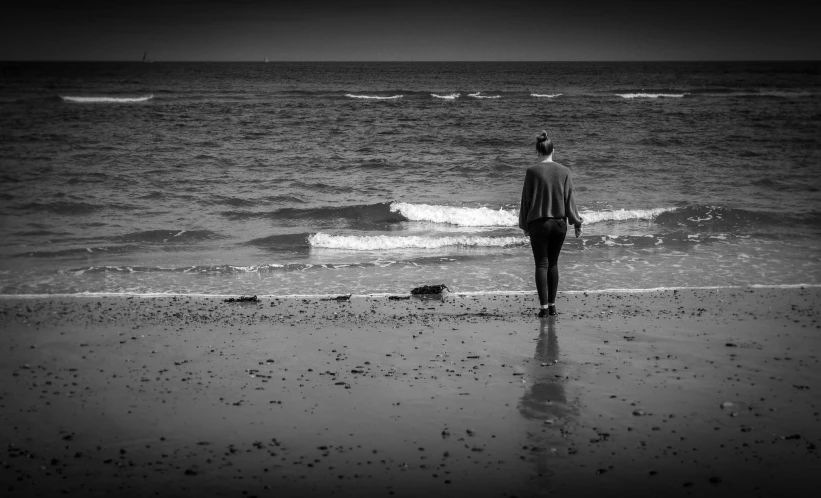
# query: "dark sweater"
x,y
547,193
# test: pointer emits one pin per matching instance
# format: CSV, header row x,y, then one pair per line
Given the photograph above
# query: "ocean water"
x,y
332,178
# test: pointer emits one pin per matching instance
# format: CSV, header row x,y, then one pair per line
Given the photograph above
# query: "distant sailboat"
x,y
266,59
144,57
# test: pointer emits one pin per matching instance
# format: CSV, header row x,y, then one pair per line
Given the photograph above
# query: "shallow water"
x,y
282,179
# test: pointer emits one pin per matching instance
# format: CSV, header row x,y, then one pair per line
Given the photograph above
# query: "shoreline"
x,y
687,392
379,295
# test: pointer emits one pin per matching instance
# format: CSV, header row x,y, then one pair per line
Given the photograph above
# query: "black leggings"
x,y
546,238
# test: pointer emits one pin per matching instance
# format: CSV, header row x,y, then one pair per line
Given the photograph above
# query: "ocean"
x,y
367,178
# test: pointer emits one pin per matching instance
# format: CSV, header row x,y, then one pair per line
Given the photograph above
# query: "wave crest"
x,y
651,95
462,216
545,95
386,242
450,96
486,217
478,95
373,97
622,214
114,100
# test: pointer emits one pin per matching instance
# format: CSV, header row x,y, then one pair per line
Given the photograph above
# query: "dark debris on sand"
x,y
430,289
346,297
243,299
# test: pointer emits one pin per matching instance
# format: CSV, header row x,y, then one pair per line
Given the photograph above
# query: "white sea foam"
x,y
462,216
487,217
373,97
651,95
387,242
545,95
110,100
623,214
450,96
478,95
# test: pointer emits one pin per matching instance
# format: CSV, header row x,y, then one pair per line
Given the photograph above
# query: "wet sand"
x,y
686,393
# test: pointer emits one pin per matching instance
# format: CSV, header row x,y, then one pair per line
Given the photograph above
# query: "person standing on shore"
x,y
547,206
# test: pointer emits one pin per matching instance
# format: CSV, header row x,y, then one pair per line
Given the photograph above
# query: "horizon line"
x,y
256,61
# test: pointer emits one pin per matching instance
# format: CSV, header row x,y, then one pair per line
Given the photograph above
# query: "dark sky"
x,y
250,30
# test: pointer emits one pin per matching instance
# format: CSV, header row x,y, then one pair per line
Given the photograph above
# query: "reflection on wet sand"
x,y
546,400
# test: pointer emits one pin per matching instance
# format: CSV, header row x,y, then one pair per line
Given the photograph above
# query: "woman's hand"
x,y
578,230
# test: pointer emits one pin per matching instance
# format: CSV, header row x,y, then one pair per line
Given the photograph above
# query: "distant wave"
x,y
478,95
651,95
450,96
545,95
373,97
386,242
116,100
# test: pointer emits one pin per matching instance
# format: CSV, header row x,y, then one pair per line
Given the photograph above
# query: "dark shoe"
x,y
551,310
542,313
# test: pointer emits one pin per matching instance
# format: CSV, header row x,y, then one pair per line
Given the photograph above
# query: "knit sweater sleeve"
x,y
570,204
524,208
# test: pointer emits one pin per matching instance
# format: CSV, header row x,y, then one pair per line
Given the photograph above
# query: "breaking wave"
x,y
373,97
450,96
478,95
623,214
462,216
487,217
385,242
651,95
545,95
114,100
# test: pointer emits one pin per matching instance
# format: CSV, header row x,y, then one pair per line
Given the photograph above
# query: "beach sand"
x,y
687,392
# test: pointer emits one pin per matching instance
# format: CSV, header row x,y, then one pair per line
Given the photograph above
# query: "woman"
x,y
547,206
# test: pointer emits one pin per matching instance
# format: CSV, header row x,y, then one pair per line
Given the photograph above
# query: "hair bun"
x,y
542,137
